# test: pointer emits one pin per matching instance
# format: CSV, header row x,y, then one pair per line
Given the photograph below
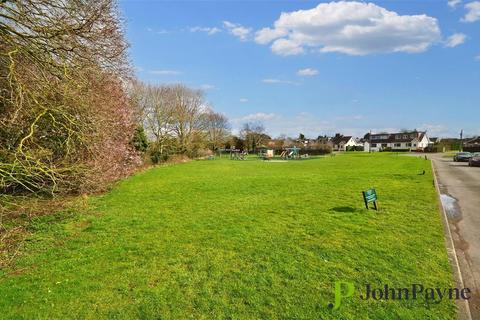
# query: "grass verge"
x,y
240,240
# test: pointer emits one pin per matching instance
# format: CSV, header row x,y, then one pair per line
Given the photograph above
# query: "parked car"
x,y
462,156
474,161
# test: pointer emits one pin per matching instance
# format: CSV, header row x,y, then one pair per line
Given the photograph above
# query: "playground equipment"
x,y
290,153
266,154
233,154
237,154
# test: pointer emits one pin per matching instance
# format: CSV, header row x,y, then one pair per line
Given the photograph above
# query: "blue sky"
x,y
320,67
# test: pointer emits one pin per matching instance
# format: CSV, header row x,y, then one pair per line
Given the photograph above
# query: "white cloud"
x,y
161,31
307,72
278,81
477,58
436,130
207,86
207,30
238,30
259,116
473,12
286,47
243,100
454,3
350,27
455,39
354,118
165,72
290,125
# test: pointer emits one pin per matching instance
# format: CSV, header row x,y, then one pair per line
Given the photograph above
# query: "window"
x,y
384,145
405,136
398,136
414,144
409,144
398,145
374,145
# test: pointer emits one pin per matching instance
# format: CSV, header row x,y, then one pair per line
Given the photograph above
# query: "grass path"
x,y
238,240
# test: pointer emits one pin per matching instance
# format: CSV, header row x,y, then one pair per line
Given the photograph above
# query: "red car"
x,y
474,161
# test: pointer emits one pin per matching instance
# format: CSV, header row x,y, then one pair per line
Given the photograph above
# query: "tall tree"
x,y
62,72
254,135
217,129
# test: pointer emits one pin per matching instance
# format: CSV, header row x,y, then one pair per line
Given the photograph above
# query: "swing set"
x,y
290,153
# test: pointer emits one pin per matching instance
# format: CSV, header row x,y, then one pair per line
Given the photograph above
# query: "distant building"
x,y
434,140
474,142
412,140
341,143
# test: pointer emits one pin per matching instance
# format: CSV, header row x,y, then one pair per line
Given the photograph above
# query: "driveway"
x,y
460,193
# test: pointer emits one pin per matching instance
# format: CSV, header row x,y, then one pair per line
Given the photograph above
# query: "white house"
x,y
341,142
412,140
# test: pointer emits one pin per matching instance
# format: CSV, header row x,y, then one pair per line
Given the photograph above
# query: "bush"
x,y
139,141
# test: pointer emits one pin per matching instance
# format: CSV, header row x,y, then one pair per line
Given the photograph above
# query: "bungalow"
x,y
472,145
474,142
412,140
341,142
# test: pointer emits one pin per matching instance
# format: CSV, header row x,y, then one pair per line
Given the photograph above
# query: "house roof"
x,y
339,139
475,140
397,137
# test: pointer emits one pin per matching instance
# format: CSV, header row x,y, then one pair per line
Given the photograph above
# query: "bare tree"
x,y
217,129
56,34
156,109
254,135
64,116
176,119
187,120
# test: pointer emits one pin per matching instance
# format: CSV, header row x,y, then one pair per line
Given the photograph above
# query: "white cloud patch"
x,y
161,31
455,39
239,31
259,116
473,12
165,72
207,86
453,3
350,27
243,100
207,30
477,58
291,125
278,81
286,47
436,130
354,118
307,72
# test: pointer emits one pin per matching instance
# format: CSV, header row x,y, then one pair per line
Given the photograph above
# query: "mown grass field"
x,y
238,240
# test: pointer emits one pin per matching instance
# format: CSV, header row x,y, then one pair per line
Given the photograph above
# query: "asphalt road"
x,y
460,193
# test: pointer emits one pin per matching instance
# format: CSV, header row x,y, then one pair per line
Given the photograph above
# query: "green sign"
x,y
370,196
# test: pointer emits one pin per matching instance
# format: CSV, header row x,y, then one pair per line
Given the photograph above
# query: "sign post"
x,y
370,196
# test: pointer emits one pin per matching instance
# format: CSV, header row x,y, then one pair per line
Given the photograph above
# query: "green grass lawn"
x,y
238,240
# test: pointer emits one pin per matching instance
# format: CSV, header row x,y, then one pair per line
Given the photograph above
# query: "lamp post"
x,y
461,140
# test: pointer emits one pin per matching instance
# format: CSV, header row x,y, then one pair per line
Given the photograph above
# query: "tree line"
x,y
73,117
66,122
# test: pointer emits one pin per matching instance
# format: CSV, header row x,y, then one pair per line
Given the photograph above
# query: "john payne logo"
x,y
344,290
